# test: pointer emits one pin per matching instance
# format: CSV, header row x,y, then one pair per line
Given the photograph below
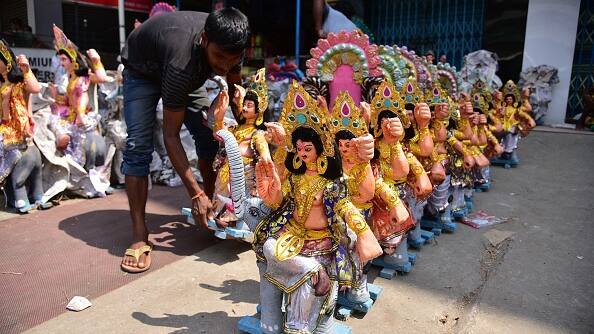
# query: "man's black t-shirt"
x,y
166,48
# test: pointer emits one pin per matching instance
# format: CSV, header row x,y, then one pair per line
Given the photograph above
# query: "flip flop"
x,y
135,253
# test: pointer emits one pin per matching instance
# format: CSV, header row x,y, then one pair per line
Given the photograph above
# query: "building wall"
x,y
550,39
47,13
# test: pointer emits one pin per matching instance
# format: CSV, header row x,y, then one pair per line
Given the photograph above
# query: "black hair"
x,y
14,75
83,65
334,169
512,96
384,114
343,134
252,96
228,28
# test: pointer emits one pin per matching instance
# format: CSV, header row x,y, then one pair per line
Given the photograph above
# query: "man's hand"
x,y
364,146
202,210
422,115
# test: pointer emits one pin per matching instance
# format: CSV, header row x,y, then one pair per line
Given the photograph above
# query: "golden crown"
x,y
346,116
510,88
387,98
259,87
436,95
301,110
61,42
5,51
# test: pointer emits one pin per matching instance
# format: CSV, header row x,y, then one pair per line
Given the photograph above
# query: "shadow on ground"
x,y
202,322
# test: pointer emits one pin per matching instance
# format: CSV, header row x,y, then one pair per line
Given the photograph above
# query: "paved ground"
x,y
539,280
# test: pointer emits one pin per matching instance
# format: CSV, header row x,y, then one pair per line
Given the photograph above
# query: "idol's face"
x,y
307,151
249,110
65,62
347,150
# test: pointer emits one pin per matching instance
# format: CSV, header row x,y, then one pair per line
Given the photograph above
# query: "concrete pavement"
x,y
539,280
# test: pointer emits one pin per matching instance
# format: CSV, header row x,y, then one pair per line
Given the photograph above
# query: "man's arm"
x,y
173,118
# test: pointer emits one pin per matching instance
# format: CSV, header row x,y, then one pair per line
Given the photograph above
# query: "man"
x,y
168,57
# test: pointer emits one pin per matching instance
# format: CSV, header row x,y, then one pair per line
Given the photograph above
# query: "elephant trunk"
x,y
236,172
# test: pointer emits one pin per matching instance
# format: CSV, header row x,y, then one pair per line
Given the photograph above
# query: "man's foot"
x,y
321,283
137,258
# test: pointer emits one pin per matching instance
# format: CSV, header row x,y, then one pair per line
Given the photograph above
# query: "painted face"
x,y
65,62
347,150
509,100
249,110
307,151
221,62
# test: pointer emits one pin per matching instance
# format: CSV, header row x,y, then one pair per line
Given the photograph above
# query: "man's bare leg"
x,y
137,190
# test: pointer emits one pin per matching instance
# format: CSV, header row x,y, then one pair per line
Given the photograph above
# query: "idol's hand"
x,y
275,133
268,182
422,115
221,106
23,63
93,55
322,104
238,95
366,111
395,127
364,146
367,246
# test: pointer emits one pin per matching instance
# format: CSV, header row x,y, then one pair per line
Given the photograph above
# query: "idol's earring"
x,y
378,132
322,164
260,118
297,162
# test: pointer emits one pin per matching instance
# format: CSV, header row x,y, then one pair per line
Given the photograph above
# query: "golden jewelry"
x,y
297,162
306,188
322,163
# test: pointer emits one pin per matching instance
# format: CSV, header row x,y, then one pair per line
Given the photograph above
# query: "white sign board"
x,y
40,60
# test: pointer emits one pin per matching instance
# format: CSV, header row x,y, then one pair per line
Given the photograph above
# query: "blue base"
x,y
433,224
412,258
459,214
221,233
506,163
346,307
403,268
484,187
427,235
251,325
